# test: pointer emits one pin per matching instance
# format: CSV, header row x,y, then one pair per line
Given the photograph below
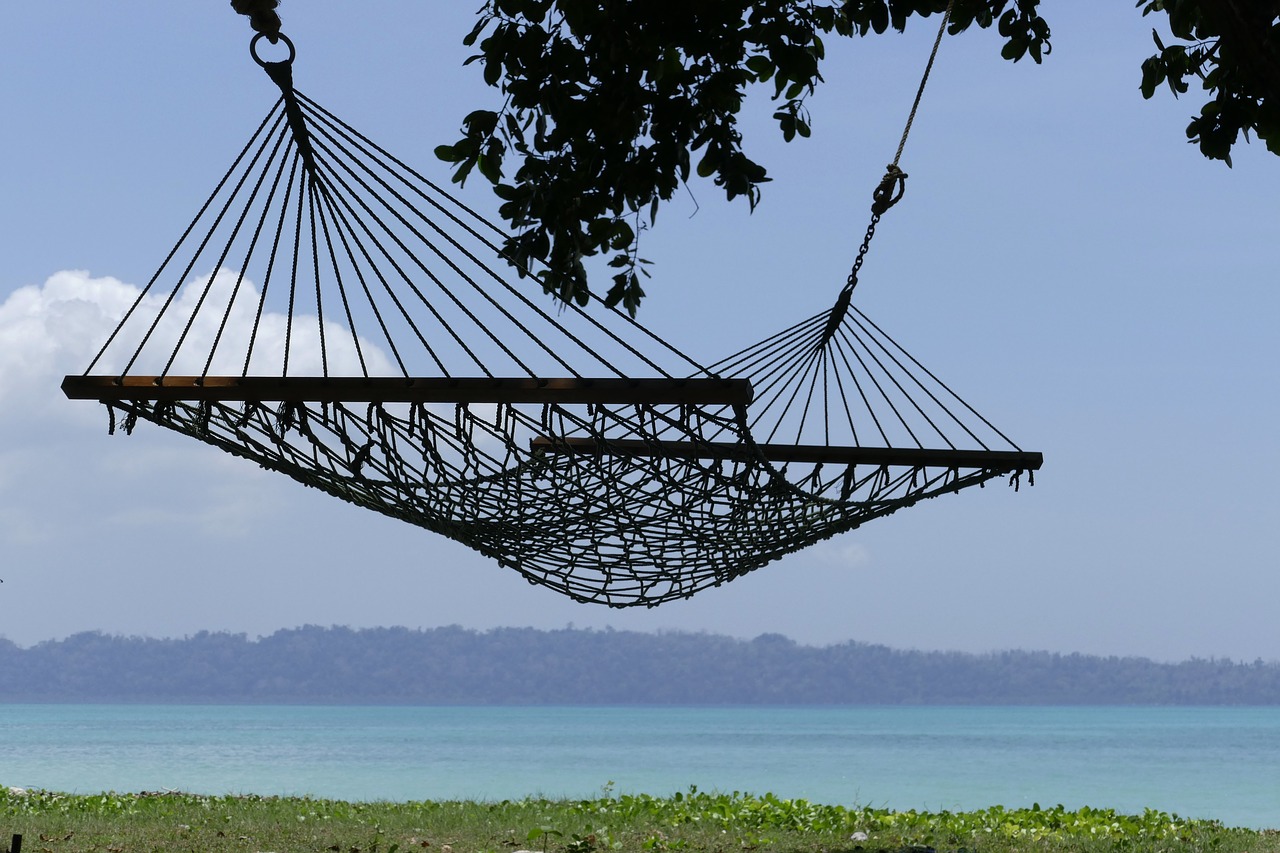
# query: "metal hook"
x,y
253,50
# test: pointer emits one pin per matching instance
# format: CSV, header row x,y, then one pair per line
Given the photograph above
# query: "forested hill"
x,y
521,666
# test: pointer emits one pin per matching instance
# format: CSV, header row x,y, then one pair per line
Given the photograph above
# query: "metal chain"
x,y
836,316
862,253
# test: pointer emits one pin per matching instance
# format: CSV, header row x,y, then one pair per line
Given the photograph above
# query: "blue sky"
x,y
1063,258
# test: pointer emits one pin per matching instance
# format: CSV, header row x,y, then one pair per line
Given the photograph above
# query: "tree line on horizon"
x,y
526,666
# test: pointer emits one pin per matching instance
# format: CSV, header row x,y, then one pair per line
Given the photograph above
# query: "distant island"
x,y
524,666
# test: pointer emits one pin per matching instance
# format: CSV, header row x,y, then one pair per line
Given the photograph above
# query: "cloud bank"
x,y
55,459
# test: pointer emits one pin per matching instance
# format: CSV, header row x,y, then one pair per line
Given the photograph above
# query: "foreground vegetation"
x,y
726,823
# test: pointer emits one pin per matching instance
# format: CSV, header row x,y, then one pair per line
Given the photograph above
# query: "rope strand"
x,y
915,105
262,16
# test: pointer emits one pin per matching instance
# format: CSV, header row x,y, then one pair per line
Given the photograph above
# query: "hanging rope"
x,y
262,16
942,28
888,193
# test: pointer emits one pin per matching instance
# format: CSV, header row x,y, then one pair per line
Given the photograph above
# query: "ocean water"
x,y
1221,763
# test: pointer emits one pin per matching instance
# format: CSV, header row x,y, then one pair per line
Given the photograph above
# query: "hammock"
x,y
333,315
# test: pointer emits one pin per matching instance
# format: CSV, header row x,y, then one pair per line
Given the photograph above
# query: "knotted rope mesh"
x,y
333,315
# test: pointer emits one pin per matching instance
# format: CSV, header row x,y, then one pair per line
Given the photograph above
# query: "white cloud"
x,y
55,329
56,461
52,329
58,327
843,555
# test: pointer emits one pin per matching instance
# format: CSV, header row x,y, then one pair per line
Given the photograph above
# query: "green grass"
x,y
726,823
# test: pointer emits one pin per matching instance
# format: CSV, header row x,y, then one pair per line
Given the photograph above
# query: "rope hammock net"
x,y
331,314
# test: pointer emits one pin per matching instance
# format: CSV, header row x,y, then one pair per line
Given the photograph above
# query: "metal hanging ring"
x,y
253,49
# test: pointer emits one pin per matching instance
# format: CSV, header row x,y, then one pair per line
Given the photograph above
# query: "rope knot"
x,y
262,16
837,314
892,186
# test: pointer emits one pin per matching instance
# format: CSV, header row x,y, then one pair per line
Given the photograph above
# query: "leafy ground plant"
x,y
723,823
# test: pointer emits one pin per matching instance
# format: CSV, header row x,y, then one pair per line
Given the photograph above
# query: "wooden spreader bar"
x,y
1011,460
347,389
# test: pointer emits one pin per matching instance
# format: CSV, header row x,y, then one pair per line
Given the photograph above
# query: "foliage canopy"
x,y
1233,47
610,105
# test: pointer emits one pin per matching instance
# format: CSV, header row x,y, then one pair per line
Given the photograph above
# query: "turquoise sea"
x,y
1221,763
